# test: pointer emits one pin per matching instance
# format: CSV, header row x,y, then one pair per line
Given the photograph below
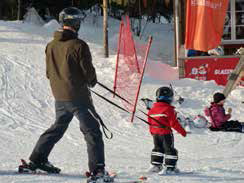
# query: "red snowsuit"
x,y
166,115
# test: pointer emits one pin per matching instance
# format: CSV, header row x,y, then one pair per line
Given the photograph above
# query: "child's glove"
x,y
148,102
184,133
229,110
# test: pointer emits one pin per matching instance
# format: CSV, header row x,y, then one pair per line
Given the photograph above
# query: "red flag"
x,y
204,23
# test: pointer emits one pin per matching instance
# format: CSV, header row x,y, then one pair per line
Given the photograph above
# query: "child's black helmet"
x,y
164,94
71,17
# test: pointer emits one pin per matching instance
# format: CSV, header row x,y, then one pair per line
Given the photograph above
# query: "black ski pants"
x,y
164,149
89,126
232,126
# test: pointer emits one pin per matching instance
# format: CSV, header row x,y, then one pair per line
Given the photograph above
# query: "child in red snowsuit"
x,y
219,119
162,117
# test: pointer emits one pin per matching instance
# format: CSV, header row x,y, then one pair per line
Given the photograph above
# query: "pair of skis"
x,y
23,170
116,177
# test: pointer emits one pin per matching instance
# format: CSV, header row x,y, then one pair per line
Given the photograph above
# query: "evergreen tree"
x,y
9,8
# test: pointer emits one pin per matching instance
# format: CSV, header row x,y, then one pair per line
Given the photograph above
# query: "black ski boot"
x,y
32,167
26,168
101,177
242,127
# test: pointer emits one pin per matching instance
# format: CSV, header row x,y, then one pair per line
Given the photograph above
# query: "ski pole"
x,y
116,105
122,98
111,91
109,101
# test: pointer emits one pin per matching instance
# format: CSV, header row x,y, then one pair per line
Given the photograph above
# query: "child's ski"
x,y
132,181
141,179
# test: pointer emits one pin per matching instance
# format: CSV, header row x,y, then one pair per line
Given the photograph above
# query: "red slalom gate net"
x,y
130,64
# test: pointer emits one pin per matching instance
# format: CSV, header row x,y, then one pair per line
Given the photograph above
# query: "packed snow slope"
x,y
27,109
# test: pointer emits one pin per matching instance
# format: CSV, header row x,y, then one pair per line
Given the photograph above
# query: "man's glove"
x,y
93,83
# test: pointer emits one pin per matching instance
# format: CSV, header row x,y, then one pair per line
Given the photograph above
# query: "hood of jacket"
x,y
163,105
64,35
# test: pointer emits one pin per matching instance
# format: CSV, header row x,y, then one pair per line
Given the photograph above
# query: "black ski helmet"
x,y
164,94
71,17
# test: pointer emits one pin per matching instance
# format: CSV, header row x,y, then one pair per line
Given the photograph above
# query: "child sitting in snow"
x,y
162,117
219,119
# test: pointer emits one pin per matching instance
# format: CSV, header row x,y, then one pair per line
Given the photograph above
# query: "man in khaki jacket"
x,y
70,71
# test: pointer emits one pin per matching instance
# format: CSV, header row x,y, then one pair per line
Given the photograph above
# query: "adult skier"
x,y
163,138
70,71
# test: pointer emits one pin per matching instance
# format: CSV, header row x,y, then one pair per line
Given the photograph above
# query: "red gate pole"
x,y
117,58
134,47
142,73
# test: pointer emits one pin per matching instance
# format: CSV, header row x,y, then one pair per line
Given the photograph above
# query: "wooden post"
x,y
175,42
176,27
179,27
235,77
181,62
182,22
19,10
1,9
105,28
179,21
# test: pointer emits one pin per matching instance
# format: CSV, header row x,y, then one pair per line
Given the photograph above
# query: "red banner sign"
x,y
204,23
216,69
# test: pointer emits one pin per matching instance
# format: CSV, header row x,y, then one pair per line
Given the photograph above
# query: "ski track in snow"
x,y
27,109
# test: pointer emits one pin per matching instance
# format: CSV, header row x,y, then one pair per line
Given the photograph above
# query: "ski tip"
x,y
142,178
112,174
87,174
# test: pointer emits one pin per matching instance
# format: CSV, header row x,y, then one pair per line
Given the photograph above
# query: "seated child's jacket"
x,y
165,114
217,115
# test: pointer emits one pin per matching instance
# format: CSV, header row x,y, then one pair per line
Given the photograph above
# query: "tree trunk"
x,y
1,9
19,10
105,28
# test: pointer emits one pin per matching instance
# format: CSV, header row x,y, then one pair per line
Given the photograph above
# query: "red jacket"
x,y
166,115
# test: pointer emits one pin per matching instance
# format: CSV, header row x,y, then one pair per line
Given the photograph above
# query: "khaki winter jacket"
x,y
69,67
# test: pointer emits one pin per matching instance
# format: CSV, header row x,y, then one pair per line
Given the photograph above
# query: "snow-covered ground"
x,y
27,109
